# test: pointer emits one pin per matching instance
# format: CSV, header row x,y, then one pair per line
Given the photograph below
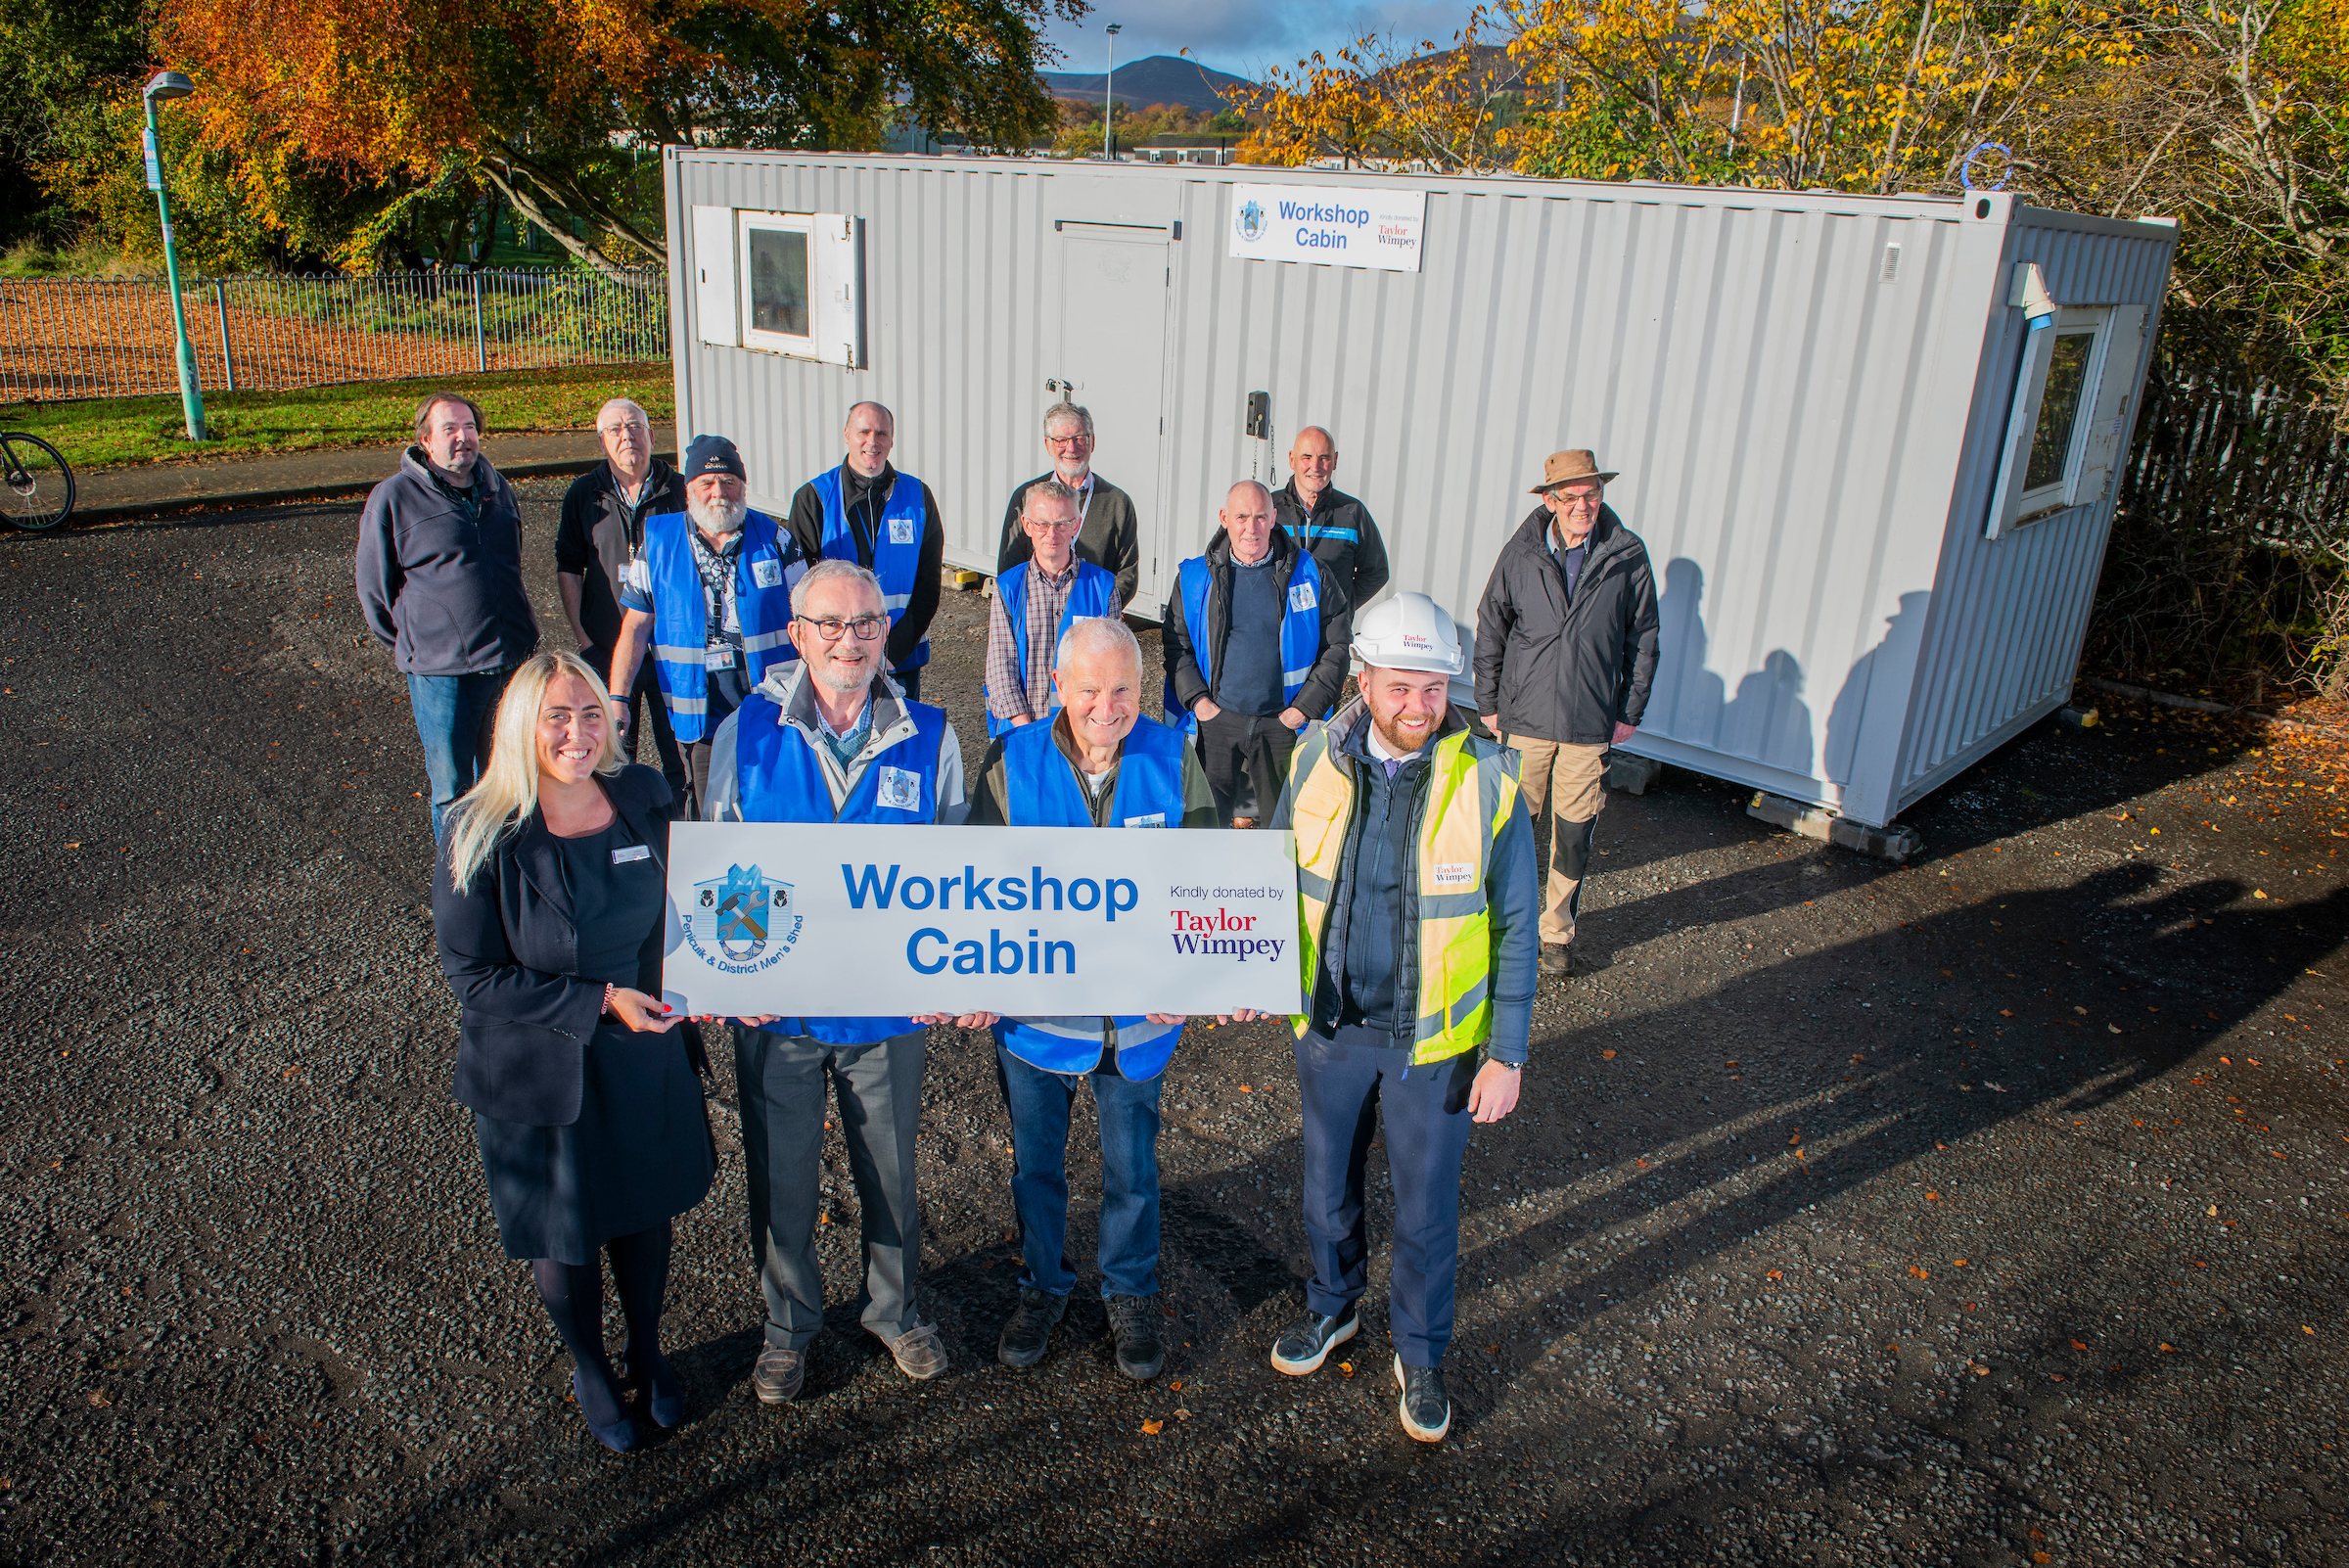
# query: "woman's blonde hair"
x,y
508,791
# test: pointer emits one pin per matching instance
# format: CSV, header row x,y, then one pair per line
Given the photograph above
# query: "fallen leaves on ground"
x,y
1153,1427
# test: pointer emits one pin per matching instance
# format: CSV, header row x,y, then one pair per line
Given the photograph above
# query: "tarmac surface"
x,y
1986,1211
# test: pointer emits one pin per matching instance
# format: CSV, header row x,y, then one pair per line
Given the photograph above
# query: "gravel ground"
x,y
1988,1211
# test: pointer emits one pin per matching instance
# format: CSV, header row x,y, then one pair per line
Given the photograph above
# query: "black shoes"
x,y
1425,1407
1557,959
1306,1343
1029,1328
1133,1324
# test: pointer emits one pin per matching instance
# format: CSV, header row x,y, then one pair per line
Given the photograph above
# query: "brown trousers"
x,y
1572,782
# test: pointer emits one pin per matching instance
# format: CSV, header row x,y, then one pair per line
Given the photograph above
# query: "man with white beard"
x,y
711,595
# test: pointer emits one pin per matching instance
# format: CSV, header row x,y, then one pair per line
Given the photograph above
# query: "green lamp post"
x,y
173,84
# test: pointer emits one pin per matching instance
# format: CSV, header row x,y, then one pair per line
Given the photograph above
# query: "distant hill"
x,y
1154,79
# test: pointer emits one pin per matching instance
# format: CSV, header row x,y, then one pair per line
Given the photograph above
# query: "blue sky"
x,y
1243,36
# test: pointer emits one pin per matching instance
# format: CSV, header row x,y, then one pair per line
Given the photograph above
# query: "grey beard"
x,y
722,518
841,682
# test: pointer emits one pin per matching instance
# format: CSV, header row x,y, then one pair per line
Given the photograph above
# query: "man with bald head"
x,y
602,531
1097,762
1255,641
885,521
1335,527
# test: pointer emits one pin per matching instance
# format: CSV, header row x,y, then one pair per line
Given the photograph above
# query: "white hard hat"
x,y
1408,631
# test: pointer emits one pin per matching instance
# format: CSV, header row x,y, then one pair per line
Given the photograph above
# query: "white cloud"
x,y
1244,36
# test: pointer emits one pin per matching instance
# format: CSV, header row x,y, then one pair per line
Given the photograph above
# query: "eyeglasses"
x,y
1579,498
866,627
1056,525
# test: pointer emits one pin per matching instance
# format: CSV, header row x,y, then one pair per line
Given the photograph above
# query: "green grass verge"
x,y
97,432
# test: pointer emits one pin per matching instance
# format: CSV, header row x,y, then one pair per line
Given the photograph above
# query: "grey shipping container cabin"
x,y
1870,442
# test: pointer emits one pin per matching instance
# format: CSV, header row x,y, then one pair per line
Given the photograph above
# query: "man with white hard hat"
x,y
1417,910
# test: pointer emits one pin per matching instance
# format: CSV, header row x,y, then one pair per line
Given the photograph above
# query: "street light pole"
x,y
171,84
1109,102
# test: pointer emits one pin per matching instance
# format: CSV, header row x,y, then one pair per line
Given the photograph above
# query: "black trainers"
x,y
1306,1343
1028,1331
1133,1324
1425,1407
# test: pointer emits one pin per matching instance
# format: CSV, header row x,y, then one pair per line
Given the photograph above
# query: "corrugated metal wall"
x,y
2003,642
1791,427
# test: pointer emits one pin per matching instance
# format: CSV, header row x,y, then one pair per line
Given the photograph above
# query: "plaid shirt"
x,y
1013,692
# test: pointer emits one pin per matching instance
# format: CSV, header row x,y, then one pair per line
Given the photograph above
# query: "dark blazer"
x,y
511,952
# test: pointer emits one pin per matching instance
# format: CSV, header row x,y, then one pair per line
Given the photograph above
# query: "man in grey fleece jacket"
x,y
439,581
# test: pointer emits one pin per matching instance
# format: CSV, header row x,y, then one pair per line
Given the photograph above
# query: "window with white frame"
x,y
788,283
2070,412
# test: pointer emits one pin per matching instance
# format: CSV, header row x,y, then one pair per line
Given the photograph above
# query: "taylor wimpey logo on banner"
x,y
1341,226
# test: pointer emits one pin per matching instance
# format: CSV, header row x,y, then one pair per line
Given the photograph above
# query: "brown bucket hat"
x,y
1574,463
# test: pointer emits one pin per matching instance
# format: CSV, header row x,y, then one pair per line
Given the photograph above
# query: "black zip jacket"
x,y
1342,536
600,534
1321,688
1560,671
439,581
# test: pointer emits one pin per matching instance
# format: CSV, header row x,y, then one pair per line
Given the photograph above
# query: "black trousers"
x,y
646,707
1247,760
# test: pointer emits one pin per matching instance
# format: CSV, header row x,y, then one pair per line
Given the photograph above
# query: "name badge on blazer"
x,y
631,852
1301,596
767,574
901,530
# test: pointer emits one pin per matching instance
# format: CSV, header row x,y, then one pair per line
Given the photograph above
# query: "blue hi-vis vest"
x,y
1090,595
764,575
778,779
1042,790
1300,632
896,544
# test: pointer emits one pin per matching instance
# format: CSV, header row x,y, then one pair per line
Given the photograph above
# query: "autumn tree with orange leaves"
x,y
2231,115
546,103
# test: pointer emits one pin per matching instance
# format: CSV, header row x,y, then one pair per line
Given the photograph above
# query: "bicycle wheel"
x,y
36,485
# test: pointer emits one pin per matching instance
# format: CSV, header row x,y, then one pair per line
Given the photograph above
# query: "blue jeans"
x,y
454,715
1039,1103
1346,1089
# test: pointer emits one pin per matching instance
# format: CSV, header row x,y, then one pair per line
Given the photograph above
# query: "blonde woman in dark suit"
x,y
550,903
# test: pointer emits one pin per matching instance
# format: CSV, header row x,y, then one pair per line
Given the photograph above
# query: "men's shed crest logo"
x,y
1252,221
742,922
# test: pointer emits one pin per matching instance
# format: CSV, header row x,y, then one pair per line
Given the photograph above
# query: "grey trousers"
x,y
781,1078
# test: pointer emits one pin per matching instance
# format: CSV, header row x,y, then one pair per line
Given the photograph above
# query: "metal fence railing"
x,y
2222,453
65,337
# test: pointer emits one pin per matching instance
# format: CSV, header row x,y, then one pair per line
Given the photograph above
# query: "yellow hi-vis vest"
x,y
1470,790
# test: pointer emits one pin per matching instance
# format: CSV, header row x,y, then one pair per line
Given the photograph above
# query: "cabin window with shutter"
x,y
794,280
2070,414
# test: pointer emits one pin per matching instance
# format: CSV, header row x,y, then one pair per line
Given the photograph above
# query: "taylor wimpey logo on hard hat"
x,y
1413,639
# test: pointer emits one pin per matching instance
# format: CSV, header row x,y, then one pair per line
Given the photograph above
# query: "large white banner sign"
x,y
1342,226
826,922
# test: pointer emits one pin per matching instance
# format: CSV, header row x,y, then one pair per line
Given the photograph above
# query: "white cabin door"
x,y
1111,356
